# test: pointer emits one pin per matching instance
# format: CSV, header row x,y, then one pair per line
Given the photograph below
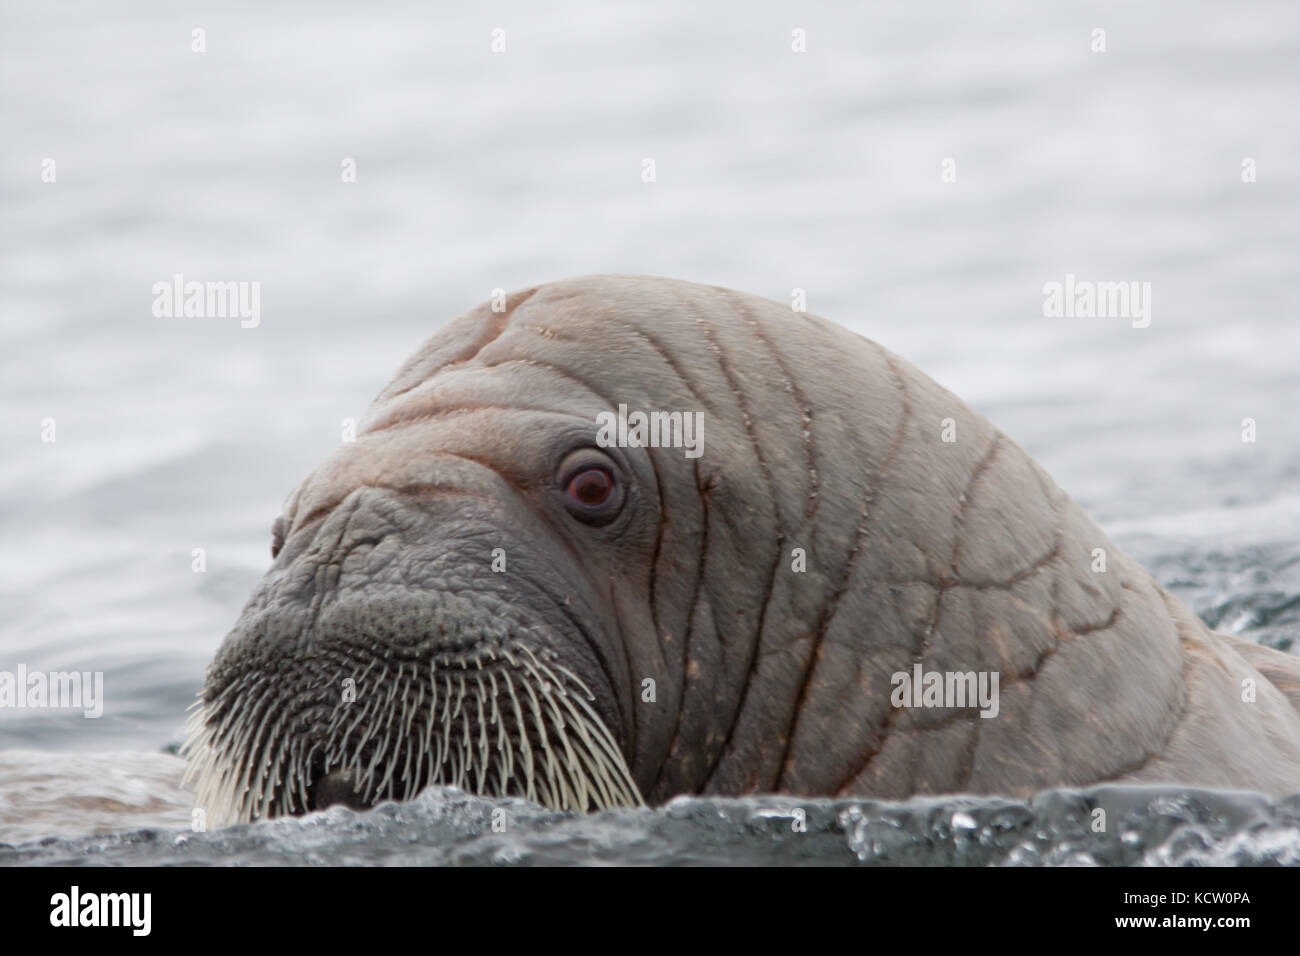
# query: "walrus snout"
x,y
381,654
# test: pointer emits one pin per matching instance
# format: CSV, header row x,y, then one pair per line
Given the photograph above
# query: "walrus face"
x,y
437,612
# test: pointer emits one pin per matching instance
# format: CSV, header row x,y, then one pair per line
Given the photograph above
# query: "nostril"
x,y
335,787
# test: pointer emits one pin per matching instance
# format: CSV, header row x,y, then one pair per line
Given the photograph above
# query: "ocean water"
x,y
1152,826
774,171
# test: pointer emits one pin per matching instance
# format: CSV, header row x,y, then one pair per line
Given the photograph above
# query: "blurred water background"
x,y
775,170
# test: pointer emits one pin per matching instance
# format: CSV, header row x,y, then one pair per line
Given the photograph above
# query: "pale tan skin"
x,y
963,555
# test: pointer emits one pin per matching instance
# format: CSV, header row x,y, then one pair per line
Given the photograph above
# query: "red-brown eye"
x,y
591,487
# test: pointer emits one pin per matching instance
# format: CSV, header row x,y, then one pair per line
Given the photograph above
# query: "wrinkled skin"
x,y
962,555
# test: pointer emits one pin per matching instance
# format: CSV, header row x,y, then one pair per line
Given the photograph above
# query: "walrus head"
x,y
463,595
478,591
481,591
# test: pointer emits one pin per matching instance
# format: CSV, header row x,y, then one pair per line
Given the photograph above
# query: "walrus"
x,y
479,591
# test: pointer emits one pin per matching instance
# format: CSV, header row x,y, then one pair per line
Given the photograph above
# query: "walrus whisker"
x,y
236,721
378,786
438,730
196,744
355,770
213,777
483,762
553,768
403,721
386,783
592,757
444,749
453,765
253,782
460,698
466,745
627,787
248,761
549,766
577,781
281,778
383,739
382,784
411,775
526,749
245,785
301,776
335,752
594,774
430,727
503,739
619,788
370,726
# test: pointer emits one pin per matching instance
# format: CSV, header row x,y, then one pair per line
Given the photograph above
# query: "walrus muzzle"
x,y
346,682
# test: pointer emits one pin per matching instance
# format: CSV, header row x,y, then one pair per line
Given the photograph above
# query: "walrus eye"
x,y
591,487
588,485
